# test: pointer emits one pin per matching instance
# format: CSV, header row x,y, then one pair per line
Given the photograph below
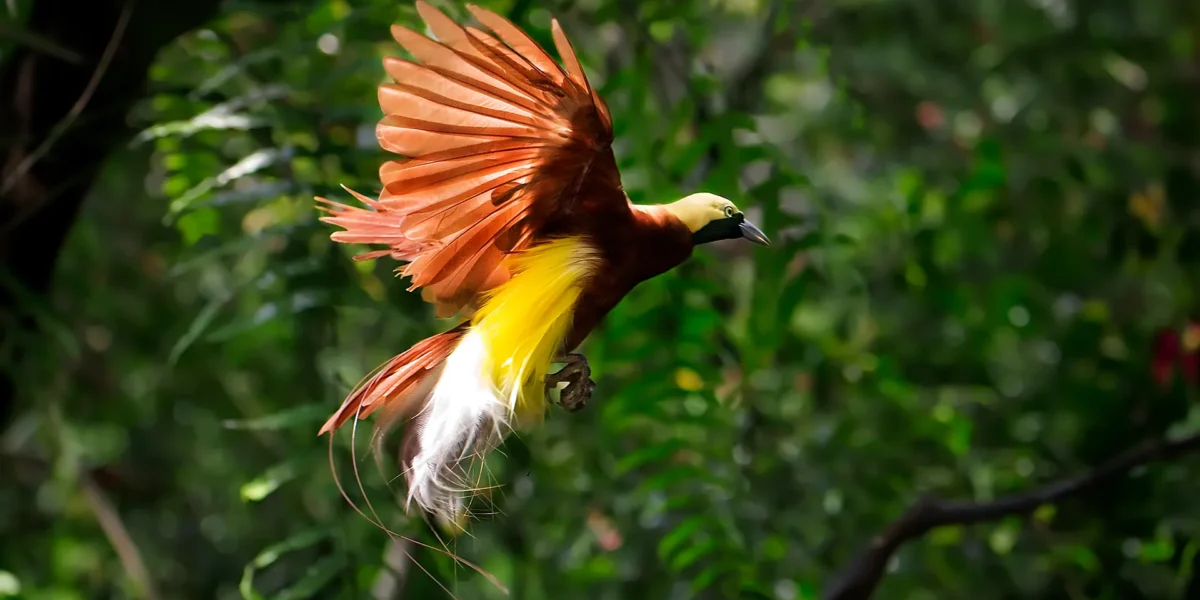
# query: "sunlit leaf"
x,y
9,584
262,486
198,224
210,120
249,165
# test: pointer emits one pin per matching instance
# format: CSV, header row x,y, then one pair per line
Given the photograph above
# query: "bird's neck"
x,y
657,216
658,227
685,213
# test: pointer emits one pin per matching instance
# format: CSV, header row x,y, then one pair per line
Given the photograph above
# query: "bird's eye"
x,y
729,211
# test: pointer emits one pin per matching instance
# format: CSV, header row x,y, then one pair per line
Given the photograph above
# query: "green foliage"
x,y
981,215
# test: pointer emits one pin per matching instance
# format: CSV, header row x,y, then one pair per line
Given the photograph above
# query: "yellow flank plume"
x,y
525,321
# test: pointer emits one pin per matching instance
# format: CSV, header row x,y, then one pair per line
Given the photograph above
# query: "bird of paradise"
x,y
508,209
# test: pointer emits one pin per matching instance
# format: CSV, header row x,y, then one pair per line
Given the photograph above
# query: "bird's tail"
x,y
440,388
463,390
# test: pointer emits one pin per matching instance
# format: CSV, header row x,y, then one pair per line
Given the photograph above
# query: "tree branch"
x,y
859,580
118,535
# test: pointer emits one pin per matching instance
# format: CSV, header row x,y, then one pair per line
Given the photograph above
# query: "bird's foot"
x,y
577,375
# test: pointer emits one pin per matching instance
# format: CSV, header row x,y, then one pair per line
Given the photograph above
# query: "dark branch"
x,y
859,580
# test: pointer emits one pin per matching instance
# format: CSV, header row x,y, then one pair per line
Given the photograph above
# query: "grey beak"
x,y
754,234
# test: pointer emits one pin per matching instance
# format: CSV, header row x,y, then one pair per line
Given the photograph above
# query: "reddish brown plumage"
x,y
503,148
396,380
498,142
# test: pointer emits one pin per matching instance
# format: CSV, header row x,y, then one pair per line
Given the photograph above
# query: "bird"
x,y
505,207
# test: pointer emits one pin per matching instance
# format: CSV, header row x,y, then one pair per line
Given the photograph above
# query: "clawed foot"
x,y
577,374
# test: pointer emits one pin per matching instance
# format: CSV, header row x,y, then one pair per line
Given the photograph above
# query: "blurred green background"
x,y
983,214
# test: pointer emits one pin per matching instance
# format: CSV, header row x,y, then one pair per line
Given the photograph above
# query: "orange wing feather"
x,y
498,138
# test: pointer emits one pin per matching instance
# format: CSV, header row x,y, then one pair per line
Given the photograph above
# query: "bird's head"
x,y
710,218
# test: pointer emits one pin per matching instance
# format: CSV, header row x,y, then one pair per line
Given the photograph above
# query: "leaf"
x,y
1003,538
707,577
210,253
316,576
688,379
662,31
958,440
680,502
208,120
253,163
49,321
43,44
756,589
948,535
698,323
1158,550
203,319
262,486
306,413
1187,562
1045,513
269,555
9,584
679,535
299,541
1085,558
255,193
693,554
677,474
647,455
1185,427
297,303
198,224
237,246
235,68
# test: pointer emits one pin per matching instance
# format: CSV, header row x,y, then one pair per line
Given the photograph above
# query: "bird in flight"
x,y
507,208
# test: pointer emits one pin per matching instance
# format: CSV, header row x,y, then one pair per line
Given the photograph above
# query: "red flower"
x,y
1166,352
1172,350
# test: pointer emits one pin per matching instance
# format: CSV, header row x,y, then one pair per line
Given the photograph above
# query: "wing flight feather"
x,y
497,139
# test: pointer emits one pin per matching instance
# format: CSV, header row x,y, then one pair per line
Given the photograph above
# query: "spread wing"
x,y
499,140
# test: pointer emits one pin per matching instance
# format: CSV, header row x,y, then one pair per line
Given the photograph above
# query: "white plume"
x,y
463,418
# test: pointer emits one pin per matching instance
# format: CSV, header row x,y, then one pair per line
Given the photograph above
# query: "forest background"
x,y
969,343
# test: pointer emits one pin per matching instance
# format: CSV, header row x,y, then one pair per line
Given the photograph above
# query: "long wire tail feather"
x,y
378,522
